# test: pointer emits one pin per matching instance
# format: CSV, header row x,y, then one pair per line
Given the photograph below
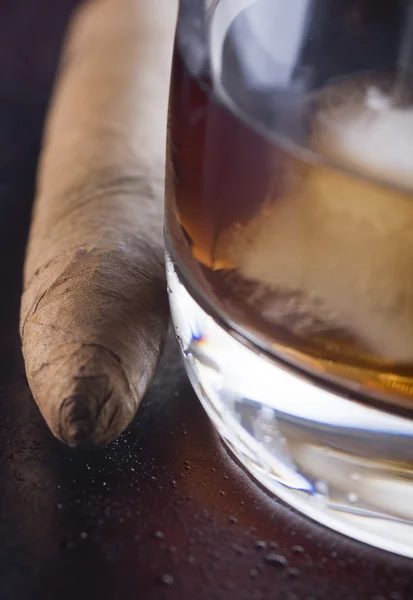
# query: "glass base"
x,y
344,464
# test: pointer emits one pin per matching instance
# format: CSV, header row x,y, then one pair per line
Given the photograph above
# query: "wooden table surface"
x,y
164,512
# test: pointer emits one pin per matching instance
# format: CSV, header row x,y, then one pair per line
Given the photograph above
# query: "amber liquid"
x,y
312,262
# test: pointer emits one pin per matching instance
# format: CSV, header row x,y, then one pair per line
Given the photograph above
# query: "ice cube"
x,y
363,129
342,241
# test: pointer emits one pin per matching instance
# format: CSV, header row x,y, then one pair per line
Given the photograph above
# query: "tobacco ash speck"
x,y
293,572
159,535
233,520
260,545
253,573
166,579
297,550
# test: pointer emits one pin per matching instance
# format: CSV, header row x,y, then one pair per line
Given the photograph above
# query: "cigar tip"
x,y
77,421
78,434
89,402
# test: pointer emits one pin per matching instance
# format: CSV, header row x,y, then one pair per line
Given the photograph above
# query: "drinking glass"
x,y
289,247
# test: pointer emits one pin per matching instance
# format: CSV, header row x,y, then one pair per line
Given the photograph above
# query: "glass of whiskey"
x,y
289,247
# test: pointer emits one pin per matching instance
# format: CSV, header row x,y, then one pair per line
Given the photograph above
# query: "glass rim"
x,y
211,37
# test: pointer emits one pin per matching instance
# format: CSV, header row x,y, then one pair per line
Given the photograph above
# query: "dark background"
x,y
165,499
